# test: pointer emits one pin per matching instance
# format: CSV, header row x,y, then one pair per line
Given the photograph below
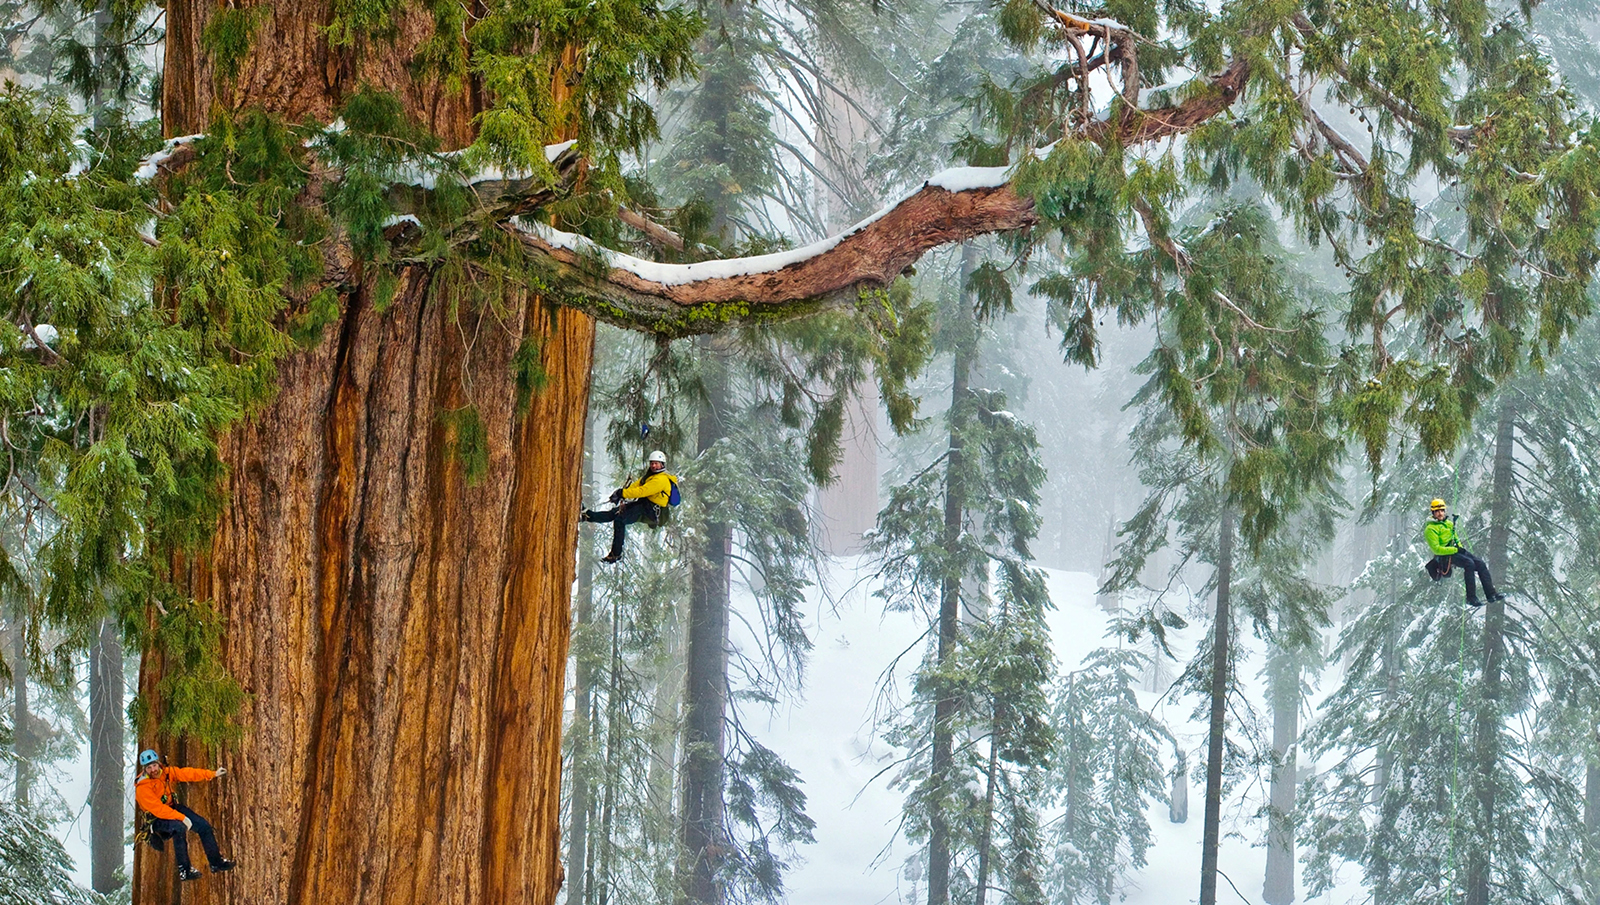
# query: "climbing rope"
x,y
1461,686
655,373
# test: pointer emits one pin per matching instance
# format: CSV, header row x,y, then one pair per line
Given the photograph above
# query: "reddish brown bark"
x,y
873,256
401,633
292,71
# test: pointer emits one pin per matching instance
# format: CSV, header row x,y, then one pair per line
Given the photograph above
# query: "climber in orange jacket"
x,y
170,820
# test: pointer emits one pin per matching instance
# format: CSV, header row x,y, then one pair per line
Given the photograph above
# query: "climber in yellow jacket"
x,y
645,498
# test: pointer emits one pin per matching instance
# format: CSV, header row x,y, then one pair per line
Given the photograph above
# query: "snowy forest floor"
x,y
858,859
828,737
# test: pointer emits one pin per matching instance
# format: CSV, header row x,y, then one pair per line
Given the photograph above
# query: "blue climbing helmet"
x,y
148,756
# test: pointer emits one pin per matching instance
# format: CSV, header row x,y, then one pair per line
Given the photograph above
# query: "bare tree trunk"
x,y
706,693
847,508
1486,742
23,742
606,857
1178,803
108,775
401,633
1221,664
1284,677
107,771
940,778
582,736
988,813
1591,831
1391,676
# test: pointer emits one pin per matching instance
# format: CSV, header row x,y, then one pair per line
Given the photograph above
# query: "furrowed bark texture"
x,y
401,632
583,733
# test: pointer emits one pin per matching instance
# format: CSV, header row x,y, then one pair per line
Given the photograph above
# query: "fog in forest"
x,y
1087,562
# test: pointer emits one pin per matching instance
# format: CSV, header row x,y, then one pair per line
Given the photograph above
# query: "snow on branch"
x,y
173,153
686,299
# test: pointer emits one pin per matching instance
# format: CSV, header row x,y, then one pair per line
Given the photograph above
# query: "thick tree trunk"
x,y
108,773
402,635
1486,741
1284,677
940,780
706,692
1221,663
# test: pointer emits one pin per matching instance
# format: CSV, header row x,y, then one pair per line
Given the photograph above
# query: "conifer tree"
x,y
959,536
33,865
1106,771
1235,444
1486,810
349,366
731,175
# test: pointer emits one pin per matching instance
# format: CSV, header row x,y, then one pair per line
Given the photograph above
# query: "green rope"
x,y
1461,686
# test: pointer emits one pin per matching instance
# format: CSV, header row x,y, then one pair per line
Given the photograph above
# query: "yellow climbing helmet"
x,y
1436,504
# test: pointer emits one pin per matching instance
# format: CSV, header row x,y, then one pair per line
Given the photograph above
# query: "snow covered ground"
x,y
828,737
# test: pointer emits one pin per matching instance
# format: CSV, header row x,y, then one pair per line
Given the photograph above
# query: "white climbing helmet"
x,y
658,456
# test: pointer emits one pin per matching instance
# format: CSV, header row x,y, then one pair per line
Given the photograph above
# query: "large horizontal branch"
x,y
684,299
687,299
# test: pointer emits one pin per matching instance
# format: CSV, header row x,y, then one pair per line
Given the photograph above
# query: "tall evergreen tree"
x,y
1235,443
954,545
1465,778
337,445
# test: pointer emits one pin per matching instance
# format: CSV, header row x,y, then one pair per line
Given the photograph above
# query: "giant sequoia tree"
x,y
316,436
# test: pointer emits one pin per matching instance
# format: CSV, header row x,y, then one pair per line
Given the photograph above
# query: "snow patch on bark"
x,y
953,180
152,164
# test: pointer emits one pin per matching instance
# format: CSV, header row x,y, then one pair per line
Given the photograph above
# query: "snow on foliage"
x,y
34,868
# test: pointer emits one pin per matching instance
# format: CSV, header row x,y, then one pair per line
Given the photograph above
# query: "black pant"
x,y
620,518
179,834
1474,569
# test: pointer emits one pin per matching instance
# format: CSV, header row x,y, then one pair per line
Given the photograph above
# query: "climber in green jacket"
x,y
1440,533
